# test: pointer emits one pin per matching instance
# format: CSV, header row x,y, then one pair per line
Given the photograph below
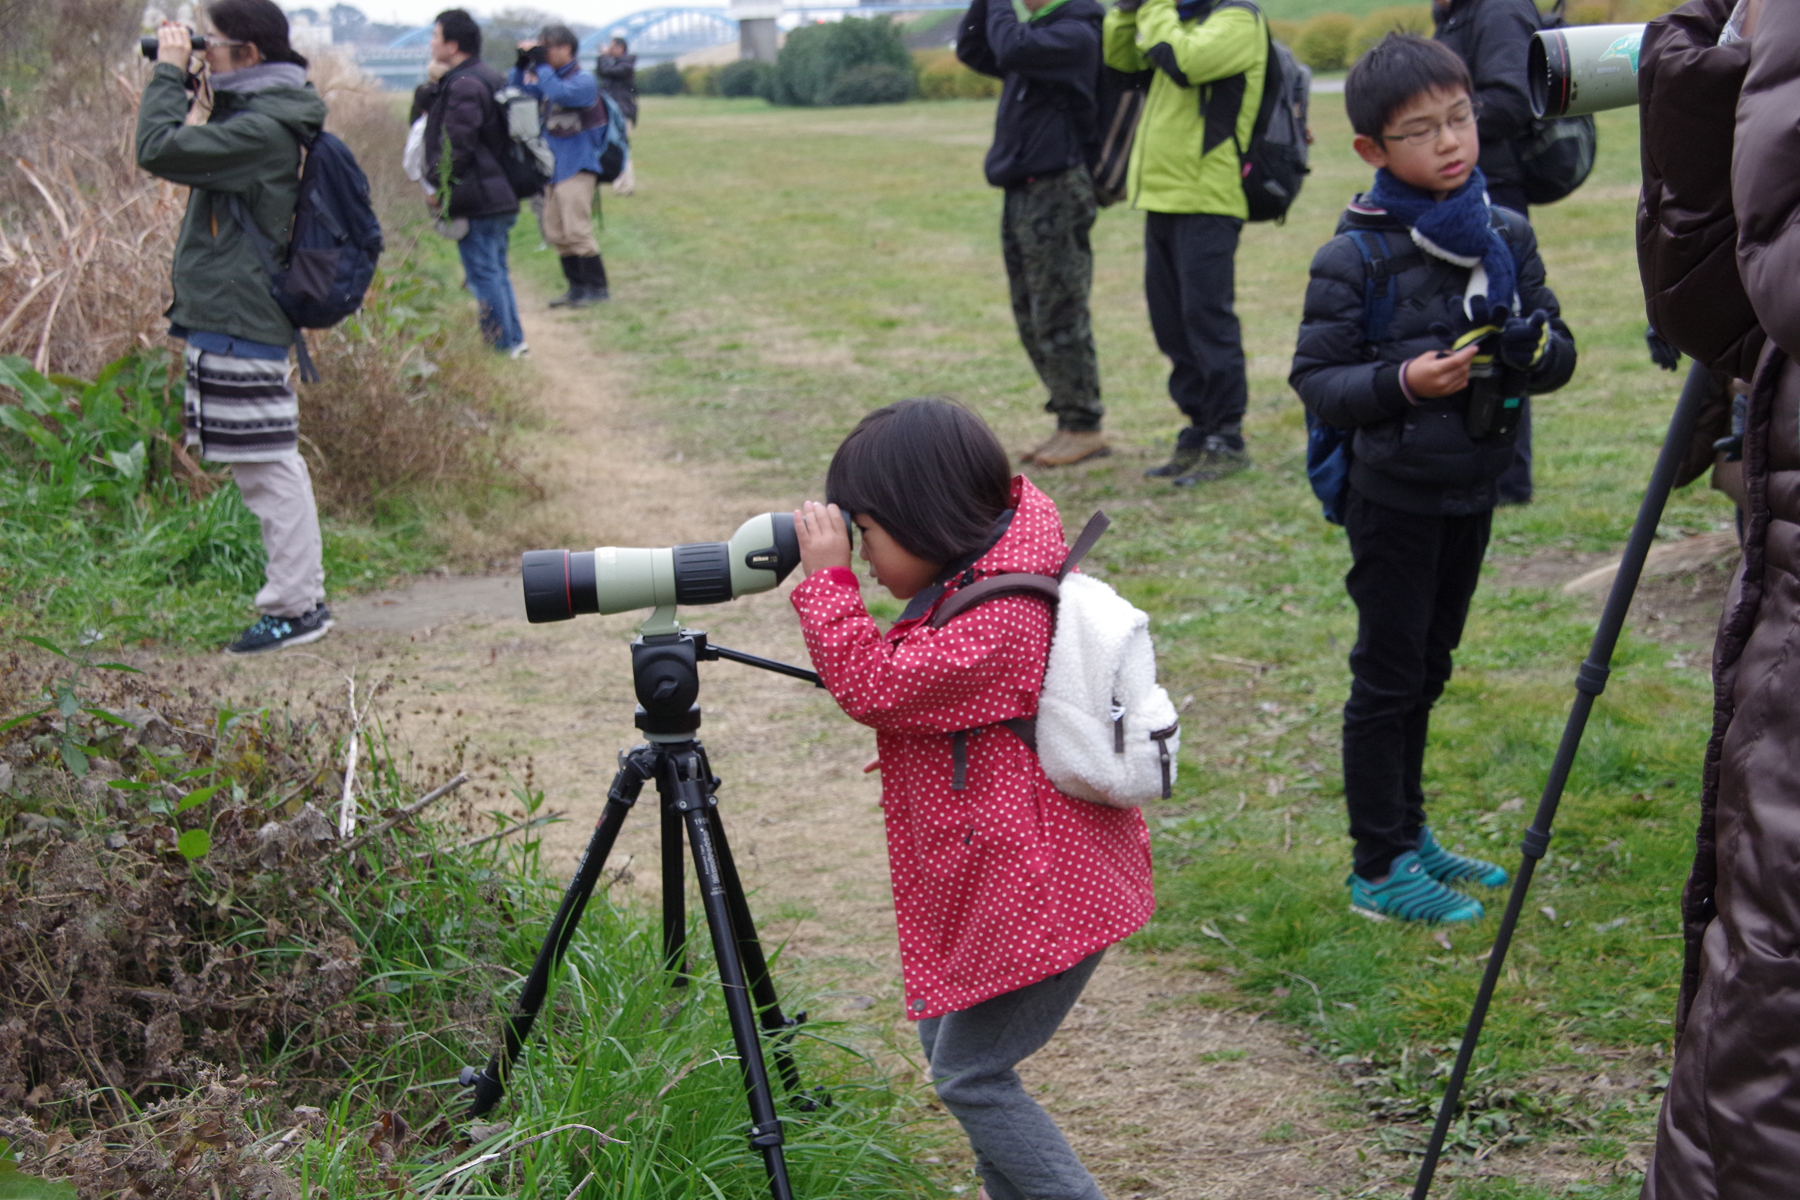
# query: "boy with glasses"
x,y
1427,323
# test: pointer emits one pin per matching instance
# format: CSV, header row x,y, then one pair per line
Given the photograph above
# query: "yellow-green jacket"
x,y
1168,172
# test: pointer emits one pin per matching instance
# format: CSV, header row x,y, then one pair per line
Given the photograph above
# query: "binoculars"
x,y
149,47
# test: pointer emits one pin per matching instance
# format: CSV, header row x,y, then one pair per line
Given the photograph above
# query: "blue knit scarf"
x,y
1457,229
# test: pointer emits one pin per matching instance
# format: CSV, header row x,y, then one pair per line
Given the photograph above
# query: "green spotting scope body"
x,y
561,584
1582,69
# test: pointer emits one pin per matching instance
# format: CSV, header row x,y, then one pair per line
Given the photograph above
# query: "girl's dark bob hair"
x,y
929,472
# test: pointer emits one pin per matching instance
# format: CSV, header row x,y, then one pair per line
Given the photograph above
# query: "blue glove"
x,y
1481,314
1523,340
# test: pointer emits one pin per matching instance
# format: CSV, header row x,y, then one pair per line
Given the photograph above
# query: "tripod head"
x,y
665,674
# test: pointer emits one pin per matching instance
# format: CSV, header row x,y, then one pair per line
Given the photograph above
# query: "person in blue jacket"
x,y
575,118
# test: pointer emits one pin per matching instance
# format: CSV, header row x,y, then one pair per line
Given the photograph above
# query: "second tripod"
x,y
667,682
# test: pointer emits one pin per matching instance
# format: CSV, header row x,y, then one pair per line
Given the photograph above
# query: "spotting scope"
x,y
560,584
1582,69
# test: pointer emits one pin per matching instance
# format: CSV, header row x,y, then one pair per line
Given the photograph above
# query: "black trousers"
x,y
1411,578
1189,264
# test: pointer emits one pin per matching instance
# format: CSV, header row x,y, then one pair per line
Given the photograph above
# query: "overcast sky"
x,y
581,12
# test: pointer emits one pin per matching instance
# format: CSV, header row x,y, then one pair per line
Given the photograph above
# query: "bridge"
x,y
655,35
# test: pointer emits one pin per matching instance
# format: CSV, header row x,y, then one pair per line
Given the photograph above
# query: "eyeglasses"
x,y
1419,135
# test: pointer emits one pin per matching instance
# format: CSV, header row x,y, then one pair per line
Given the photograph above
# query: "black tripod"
x,y
1590,681
664,672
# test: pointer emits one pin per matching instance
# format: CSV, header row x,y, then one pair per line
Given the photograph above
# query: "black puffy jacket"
x,y
1419,457
1048,117
463,110
1494,39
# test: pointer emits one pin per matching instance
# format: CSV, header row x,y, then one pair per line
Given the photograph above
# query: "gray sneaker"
x,y
1216,461
1186,459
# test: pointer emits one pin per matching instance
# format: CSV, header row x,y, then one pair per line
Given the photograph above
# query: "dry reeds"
x,y
85,237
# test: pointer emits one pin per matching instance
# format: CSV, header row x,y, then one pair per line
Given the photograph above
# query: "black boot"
x,y
572,272
595,279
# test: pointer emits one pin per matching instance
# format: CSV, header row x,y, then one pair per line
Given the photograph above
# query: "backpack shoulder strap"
x,y
1018,583
1090,533
1378,284
1022,583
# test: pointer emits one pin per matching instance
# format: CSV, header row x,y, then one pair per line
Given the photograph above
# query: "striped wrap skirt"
x,y
240,409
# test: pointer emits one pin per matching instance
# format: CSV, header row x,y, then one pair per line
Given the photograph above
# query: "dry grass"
x,y
85,237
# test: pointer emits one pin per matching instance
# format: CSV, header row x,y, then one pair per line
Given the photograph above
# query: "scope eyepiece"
x,y
562,584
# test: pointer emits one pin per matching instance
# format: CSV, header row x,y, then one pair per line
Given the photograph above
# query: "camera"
x,y
561,584
534,57
149,45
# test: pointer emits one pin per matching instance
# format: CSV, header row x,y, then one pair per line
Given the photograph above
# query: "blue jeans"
x,y
483,251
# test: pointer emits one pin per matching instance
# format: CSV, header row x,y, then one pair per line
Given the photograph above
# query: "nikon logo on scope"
x,y
763,560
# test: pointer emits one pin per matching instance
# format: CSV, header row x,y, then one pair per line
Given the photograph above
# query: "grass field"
x,y
782,272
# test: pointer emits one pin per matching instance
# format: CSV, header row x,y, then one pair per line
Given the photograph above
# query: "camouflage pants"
x,y
1044,236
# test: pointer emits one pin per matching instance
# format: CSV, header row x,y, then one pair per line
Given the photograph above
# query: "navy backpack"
x,y
1327,446
333,249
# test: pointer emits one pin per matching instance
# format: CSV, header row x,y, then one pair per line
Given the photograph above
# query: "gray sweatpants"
x,y
1019,1151
280,494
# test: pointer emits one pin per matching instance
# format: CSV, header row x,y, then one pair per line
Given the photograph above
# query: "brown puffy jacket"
x,y
1730,1126
1687,235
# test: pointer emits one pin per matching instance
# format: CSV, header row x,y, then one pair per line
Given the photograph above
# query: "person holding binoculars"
x,y
242,162
575,126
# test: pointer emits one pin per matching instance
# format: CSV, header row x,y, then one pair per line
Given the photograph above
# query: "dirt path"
x,y
1167,1088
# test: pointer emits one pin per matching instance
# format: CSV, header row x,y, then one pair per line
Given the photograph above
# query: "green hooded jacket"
x,y
1168,173
248,148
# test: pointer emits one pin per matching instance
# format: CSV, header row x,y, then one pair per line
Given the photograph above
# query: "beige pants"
x,y
569,216
280,494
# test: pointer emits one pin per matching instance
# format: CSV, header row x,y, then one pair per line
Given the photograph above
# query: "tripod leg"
x,y
674,898
756,967
685,785
490,1082
1590,681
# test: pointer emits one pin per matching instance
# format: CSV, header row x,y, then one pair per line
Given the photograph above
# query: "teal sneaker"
x,y
1446,867
1409,894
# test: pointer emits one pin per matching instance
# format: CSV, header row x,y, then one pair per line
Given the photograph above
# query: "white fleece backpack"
x,y
1105,732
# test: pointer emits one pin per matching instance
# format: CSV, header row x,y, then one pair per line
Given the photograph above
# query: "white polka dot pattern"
x,y
1009,881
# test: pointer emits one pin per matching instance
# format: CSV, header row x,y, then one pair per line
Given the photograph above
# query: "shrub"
x,y
745,77
1404,18
872,84
1324,42
942,76
816,55
664,79
698,81
1285,31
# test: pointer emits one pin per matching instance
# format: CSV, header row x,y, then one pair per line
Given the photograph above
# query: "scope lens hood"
x,y
558,585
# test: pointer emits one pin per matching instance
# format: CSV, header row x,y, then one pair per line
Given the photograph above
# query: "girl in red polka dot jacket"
x,y
1006,891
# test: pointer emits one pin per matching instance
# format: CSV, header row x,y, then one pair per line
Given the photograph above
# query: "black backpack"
x,y
1274,163
1555,155
333,247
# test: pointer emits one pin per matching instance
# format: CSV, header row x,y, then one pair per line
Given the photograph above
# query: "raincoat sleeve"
x,y
1059,51
1229,42
221,156
931,680
578,91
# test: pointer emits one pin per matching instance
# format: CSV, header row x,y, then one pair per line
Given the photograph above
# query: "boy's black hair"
x,y
459,27
929,472
1395,71
623,44
557,34
259,22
